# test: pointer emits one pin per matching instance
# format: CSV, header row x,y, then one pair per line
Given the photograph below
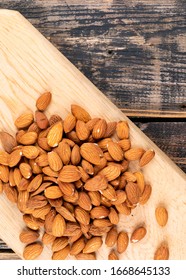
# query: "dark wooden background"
x,y
134,51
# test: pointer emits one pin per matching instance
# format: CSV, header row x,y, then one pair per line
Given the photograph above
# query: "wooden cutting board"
x,y
29,66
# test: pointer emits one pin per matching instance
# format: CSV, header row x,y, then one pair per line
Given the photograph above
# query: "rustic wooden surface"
x,y
133,51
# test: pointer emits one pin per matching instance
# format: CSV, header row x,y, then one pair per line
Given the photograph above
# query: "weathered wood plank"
x,y
134,51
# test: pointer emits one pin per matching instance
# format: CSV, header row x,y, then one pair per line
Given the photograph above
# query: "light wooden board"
x,y
30,65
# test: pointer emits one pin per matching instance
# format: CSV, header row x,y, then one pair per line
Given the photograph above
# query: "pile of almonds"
x,y
71,180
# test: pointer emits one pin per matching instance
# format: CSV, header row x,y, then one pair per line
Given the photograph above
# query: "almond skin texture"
x,y
82,130
122,130
146,157
28,236
162,253
133,192
55,134
30,152
111,237
58,226
97,183
93,245
41,120
161,216
99,129
59,243
122,242
82,216
54,161
32,251
77,246
91,153
111,172
69,174
53,192
134,154
80,113
8,141
24,120
43,101
146,194
138,234
115,151
69,123
28,138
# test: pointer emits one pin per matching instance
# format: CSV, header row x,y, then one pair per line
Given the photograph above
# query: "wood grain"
x,y
30,66
133,51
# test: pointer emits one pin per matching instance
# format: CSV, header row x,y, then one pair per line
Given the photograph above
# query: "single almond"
x,y
82,131
67,215
28,236
41,120
84,201
103,144
41,212
48,238
99,129
125,144
55,134
111,237
58,226
162,252
91,152
69,174
28,138
34,127
111,172
109,193
15,157
54,161
138,234
97,183
30,222
146,194
133,192
134,154
113,216
146,157
122,242
4,173
122,130
82,216
129,176
99,212
11,193
115,151
102,223
120,197
43,101
30,152
42,160
93,245
8,141
37,201
66,188
113,256
123,209
43,143
49,221
64,152
53,192
111,128
87,166
77,246
32,251
69,123
25,170
4,158
35,183
140,180
75,155
24,120
161,216
95,197
61,254
80,113
91,123
54,119
59,243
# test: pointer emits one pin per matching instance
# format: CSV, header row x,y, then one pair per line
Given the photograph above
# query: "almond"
x,y
26,170
123,209
28,236
54,161
32,251
49,221
122,242
133,192
42,160
43,143
59,243
145,195
122,130
4,173
87,166
161,216
125,144
69,123
14,158
134,154
102,223
35,183
95,197
43,101
24,120
103,144
113,216
111,127
82,130
53,192
61,254
64,152
140,180
49,172
99,129
8,141
109,193
41,120
77,246
93,245
67,215
55,134
34,127
75,155
162,252
11,193
113,256
37,201
138,234
58,226
99,212
54,119
41,212
91,152
91,123
22,200
146,157
111,237
115,151
84,201
69,174
31,222
80,113
97,183
111,172
120,197
28,138
66,188
30,152
82,216
83,256
48,238
4,158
